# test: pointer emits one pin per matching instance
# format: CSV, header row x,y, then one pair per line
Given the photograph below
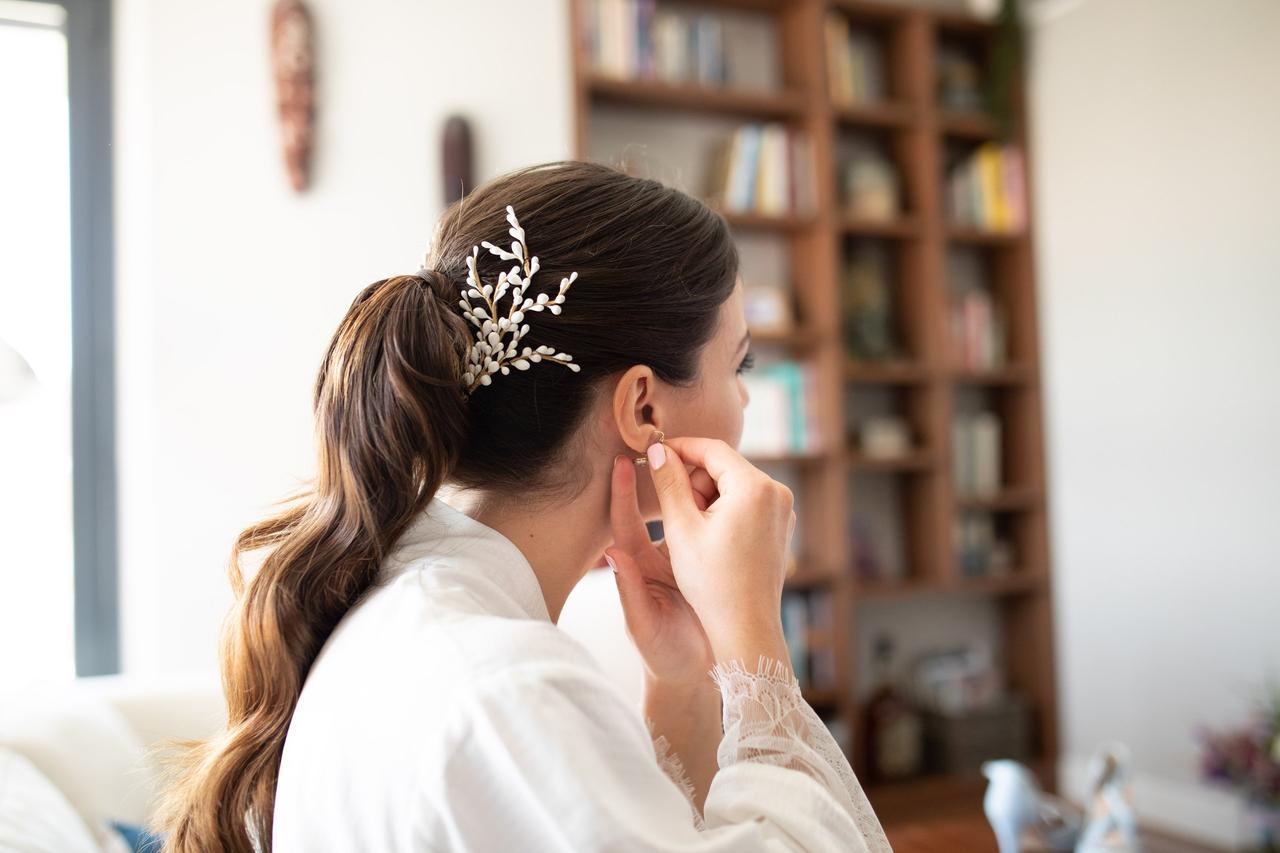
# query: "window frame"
x,y
95,529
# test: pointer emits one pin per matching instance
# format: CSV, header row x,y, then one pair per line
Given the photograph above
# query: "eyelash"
x,y
748,362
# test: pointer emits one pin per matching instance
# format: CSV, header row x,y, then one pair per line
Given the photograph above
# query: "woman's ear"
x,y
636,409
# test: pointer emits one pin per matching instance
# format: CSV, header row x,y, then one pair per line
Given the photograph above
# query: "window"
x,y
57,474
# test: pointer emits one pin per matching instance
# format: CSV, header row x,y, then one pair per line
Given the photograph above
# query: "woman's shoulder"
x,y
424,637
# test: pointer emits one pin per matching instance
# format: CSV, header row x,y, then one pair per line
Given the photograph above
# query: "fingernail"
x,y
611,563
657,455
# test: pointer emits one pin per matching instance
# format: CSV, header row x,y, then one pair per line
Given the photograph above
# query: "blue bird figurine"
x,y
1015,804
1112,826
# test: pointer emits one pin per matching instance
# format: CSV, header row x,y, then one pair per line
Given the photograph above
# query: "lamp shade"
x,y
16,376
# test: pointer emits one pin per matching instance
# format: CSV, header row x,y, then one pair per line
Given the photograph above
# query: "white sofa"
x,y
77,755
74,756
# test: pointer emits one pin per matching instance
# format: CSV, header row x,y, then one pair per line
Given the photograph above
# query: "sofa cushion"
x,y
34,815
81,744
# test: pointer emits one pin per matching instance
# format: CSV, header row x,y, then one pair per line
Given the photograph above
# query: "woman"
x,y
394,674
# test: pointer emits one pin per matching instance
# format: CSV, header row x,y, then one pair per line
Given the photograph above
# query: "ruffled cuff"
x,y
671,765
768,721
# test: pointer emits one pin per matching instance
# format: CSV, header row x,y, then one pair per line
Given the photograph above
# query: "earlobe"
x,y
635,409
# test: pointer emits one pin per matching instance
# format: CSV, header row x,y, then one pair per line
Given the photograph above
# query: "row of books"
x,y
781,417
977,329
763,168
634,39
855,62
975,453
987,189
813,663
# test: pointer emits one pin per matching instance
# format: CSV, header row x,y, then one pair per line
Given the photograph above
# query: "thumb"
x,y
632,592
671,482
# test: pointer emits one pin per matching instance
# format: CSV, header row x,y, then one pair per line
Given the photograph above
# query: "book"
x,y
763,168
779,418
987,189
976,454
977,330
635,39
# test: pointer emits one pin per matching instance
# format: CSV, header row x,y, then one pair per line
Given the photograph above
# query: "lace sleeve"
x,y
767,720
674,768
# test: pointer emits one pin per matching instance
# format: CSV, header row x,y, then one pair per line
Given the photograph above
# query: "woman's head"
x,y
656,275
655,321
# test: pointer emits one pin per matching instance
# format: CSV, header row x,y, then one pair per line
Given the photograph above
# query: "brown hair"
x,y
392,424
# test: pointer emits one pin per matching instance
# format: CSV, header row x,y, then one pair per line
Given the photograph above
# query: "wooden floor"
x,y
969,835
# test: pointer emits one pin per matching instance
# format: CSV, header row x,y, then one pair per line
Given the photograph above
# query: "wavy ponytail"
x,y
393,424
390,422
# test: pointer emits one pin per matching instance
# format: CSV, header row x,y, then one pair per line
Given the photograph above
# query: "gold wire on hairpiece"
x,y
643,459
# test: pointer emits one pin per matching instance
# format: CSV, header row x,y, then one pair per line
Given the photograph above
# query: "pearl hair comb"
x,y
490,354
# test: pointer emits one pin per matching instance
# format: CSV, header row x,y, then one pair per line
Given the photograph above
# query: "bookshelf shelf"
x,y
904,227
887,373
983,237
883,115
873,13
966,125
1007,500
748,221
809,579
1016,582
799,338
786,458
1012,374
744,103
918,460
905,122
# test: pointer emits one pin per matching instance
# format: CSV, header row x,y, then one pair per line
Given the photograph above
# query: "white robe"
x,y
447,712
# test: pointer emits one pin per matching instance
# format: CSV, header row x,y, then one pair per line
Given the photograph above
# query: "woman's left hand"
x,y
661,623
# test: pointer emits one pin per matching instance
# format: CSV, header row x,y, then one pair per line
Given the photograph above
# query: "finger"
x,y
637,604
723,463
704,488
629,531
671,482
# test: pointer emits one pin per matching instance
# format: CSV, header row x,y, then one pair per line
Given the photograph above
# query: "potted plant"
x,y
1248,759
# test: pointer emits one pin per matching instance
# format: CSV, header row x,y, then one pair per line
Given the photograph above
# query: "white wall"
x,y
1157,133
229,284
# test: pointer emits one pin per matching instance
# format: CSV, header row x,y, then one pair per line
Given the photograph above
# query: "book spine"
x,y
986,453
962,454
644,38
738,177
1015,187
750,167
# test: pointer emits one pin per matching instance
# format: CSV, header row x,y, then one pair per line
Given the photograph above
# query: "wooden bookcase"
x,y
917,131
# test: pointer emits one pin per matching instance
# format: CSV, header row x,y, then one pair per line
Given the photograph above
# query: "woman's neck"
x,y
561,543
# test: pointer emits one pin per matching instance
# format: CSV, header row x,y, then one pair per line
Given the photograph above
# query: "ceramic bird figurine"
x,y
1014,805
1112,826
293,66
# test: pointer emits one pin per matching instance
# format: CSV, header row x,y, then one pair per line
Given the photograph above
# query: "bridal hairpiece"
x,y
490,353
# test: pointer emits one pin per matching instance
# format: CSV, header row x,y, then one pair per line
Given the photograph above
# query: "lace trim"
x,y
768,721
674,768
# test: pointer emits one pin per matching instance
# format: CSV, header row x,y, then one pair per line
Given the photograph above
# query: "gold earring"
x,y
643,459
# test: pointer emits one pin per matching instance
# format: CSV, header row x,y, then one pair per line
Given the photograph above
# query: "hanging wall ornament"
x,y
293,66
456,156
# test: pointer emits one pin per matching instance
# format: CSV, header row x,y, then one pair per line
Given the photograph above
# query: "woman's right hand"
x,y
729,560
